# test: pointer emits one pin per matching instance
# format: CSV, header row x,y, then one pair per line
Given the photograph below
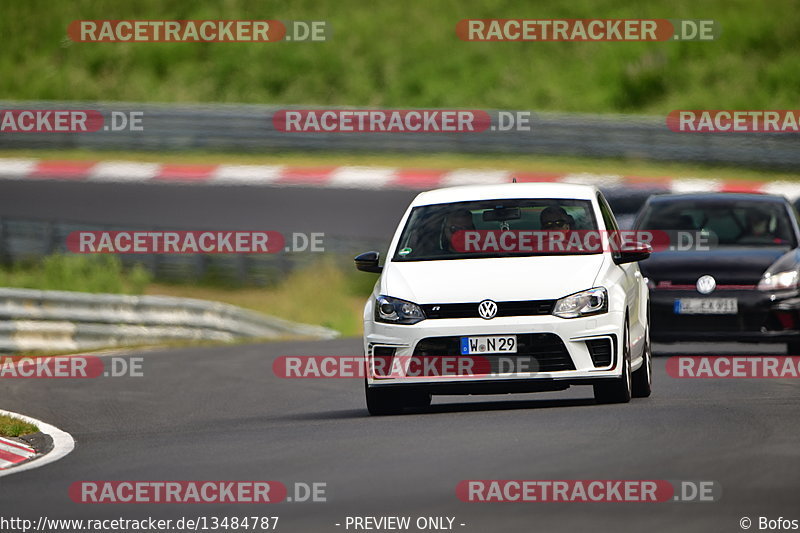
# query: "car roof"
x,y
506,190
718,197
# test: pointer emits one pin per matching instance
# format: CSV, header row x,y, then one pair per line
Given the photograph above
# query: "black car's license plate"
x,y
706,306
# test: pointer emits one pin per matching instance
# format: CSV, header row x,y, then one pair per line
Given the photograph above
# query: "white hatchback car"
x,y
456,312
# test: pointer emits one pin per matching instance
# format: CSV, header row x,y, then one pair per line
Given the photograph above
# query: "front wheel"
x,y
617,390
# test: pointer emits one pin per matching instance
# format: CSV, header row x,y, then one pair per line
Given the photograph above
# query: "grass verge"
x,y
14,427
405,54
83,273
322,294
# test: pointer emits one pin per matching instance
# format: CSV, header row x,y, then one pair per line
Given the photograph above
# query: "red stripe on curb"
x,y
417,178
185,172
306,175
72,170
17,445
11,457
409,178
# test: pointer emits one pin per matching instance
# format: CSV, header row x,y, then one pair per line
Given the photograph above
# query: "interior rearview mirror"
x,y
501,214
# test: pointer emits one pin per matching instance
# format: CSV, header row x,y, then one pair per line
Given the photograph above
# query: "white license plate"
x,y
493,344
706,306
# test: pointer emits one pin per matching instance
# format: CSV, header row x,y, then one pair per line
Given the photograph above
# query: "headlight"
x,y
395,311
584,303
778,281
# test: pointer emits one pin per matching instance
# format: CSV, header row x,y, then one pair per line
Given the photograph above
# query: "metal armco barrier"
x,y
250,128
33,320
22,239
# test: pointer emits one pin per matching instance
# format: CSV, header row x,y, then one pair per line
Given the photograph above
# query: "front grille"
x,y
536,352
470,310
601,351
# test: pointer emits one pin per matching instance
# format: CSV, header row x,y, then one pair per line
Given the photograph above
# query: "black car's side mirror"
x,y
368,262
633,253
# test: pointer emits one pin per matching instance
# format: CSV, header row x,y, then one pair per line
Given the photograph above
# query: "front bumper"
x,y
575,366
762,317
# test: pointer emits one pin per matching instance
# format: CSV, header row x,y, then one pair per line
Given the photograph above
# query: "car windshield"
x,y
723,223
432,231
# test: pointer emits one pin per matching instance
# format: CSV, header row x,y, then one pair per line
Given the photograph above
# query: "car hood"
x,y
499,279
735,266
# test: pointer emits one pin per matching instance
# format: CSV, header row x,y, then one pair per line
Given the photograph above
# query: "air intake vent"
x,y
601,351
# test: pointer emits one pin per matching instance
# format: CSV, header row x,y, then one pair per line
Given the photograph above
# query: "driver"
x,y
758,223
458,220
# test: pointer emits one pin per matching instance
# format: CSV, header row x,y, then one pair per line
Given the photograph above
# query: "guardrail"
x,y
33,320
25,239
250,128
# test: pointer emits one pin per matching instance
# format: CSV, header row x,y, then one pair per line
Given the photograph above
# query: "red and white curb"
x,y
13,452
353,177
63,444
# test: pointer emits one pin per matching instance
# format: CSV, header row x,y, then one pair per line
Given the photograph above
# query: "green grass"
x,y
522,163
323,293
84,273
14,427
406,54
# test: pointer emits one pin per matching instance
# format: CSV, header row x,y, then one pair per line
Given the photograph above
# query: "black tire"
x,y
642,379
793,348
617,390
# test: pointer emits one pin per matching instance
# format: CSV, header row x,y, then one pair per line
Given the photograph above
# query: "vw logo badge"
x,y
706,285
487,309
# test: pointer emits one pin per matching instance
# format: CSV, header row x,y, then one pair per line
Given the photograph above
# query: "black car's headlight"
x,y
396,311
779,281
584,303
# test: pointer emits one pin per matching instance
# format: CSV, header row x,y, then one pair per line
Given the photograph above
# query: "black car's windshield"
x,y
431,231
723,223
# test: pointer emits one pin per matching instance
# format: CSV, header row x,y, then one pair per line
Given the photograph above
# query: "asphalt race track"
x,y
339,212
219,413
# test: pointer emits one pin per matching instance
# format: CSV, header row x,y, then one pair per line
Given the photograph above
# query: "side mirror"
x,y
368,262
631,253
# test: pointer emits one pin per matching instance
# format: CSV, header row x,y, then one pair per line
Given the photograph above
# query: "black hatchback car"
x,y
731,271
